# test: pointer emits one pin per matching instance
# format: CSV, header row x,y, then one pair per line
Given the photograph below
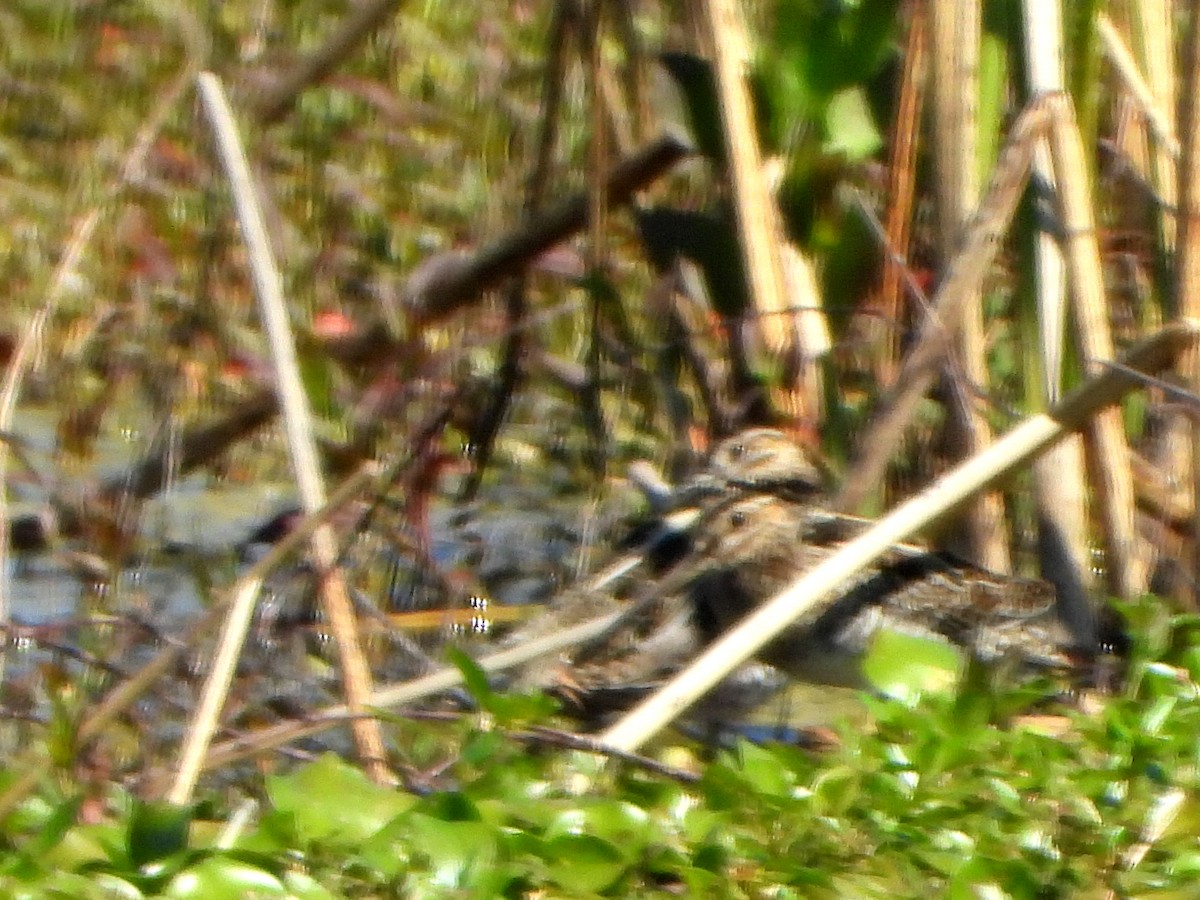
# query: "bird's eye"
x,y
738,519
736,451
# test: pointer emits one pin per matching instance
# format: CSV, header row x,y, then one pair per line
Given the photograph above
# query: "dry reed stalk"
x,y
1157,44
1155,35
1119,55
955,30
902,181
760,231
1187,264
356,675
1060,493
1112,479
819,585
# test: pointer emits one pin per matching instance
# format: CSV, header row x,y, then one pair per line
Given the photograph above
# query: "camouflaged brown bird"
x,y
753,547
759,527
658,635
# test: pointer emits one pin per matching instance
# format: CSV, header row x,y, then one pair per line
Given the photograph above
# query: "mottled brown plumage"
x,y
754,546
758,460
754,461
759,528
658,633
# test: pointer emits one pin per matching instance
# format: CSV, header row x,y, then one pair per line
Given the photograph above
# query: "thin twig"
x,y
966,272
272,104
298,422
487,427
35,766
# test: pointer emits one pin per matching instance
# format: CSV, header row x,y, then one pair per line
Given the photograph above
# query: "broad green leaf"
x,y
624,825
335,802
905,665
761,769
457,851
219,876
581,863
475,679
157,830
849,126
303,886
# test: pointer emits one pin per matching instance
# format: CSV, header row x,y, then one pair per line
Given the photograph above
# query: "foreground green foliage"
x,y
952,795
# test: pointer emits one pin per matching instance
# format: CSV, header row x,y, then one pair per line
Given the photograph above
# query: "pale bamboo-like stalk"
x,y
955,29
298,424
1044,61
1187,265
1149,101
1143,131
1058,475
1157,39
756,217
805,398
1112,479
818,587
760,230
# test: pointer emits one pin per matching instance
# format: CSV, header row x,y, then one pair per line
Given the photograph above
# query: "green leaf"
x,y
849,127
474,678
762,770
219,876
905,665
157,830
55,827
303,886
458,852
334,802
623,825
581,863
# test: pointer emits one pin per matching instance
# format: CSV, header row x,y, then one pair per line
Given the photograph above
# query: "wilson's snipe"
x,y
758,528
754,461
659,635
749,548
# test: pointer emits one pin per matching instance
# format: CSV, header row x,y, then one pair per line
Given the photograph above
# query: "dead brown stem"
x,y
966,271
273,103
